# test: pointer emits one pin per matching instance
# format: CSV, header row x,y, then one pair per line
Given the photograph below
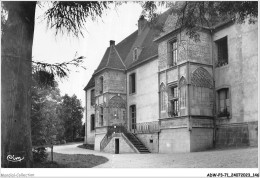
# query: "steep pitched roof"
x,y
111,59
124,46
90,84
120,56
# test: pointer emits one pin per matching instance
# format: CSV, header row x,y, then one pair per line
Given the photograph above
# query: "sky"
x,y
116,24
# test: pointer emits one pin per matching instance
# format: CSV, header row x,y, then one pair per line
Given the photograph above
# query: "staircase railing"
x,y
146,127
109,135
106,138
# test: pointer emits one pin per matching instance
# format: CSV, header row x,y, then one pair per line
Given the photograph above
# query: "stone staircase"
x,y
139,146
137,143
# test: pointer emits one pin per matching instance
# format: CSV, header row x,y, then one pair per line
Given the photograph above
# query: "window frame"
x,y
220,61
101,116
132,85
219,113
132,114
92,122
163,97
174,100
101,83
173,52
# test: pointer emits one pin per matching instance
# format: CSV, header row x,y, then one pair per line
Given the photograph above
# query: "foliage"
x,y
70,16
72,114
45,72
40,154
82,133
193,15
46,124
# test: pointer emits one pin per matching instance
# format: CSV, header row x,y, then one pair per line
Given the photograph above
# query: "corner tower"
x,y
110,93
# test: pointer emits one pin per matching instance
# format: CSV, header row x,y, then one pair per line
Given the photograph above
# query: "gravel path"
x,y
229,158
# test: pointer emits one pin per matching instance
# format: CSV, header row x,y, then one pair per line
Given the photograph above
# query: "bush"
x,y
39,154
63,142
79,139
57,142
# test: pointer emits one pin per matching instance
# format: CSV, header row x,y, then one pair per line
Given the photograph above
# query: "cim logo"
x,y
14,159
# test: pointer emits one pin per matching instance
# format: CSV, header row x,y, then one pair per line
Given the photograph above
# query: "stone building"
x,y
162,92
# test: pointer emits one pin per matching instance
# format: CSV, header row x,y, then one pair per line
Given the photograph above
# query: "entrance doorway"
x,y
117,146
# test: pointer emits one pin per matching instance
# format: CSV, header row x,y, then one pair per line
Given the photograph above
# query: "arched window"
x,y
162,97
101,81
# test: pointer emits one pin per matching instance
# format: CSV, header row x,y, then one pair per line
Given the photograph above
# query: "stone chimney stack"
x,y
112,43
141,24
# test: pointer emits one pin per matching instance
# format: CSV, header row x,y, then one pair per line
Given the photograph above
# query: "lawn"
x,y
72,161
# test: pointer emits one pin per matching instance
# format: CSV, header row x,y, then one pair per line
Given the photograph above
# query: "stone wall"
x,y
235,135
174,140
98,138
253,133
116,82
200,51
99,135
151,141
232,136
146,96
89,135
123,145
201,139
240,74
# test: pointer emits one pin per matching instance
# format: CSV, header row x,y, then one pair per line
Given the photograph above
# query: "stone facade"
x,y
185,97
90,111
124,146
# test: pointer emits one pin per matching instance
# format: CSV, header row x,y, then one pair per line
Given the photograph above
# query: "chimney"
x,y
112,43
141,24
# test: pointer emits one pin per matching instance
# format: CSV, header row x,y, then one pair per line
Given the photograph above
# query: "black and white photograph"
x,y
119,88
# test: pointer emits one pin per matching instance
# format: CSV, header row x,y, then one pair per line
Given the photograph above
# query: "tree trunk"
x,y
16,69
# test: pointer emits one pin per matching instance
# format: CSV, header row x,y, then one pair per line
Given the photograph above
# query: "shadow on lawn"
x,y
72,161
87,146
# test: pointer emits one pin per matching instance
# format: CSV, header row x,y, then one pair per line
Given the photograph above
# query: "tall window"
x,y
222,49
92,122
173,101
132,83
163,97
133,116
223,102
101,116
173,53
101,81
92,97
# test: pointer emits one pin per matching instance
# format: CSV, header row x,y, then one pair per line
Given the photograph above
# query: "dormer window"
x,y
135,54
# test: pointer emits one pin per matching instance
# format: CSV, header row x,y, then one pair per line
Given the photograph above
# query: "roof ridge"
x,y
119,57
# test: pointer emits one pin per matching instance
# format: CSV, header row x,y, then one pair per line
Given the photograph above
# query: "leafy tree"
x,y
16,68
46,124
194,15
83,128
72,114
